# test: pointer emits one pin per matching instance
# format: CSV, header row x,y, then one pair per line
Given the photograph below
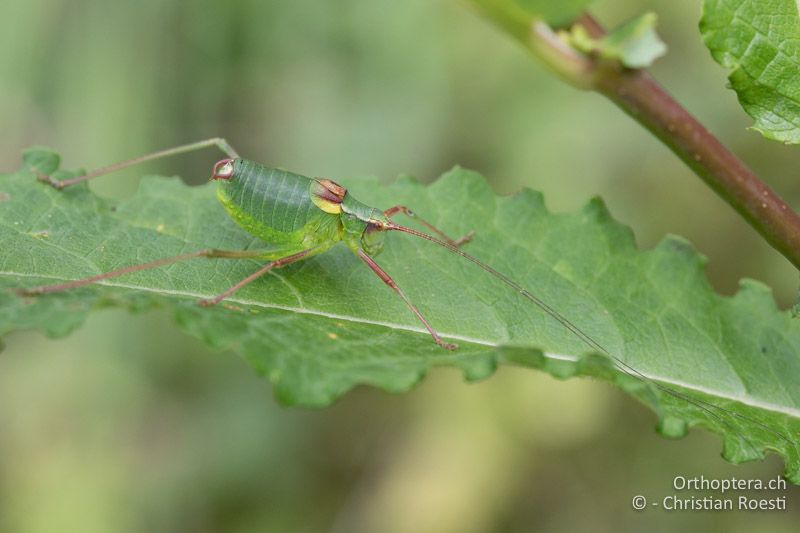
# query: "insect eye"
x,y
223,170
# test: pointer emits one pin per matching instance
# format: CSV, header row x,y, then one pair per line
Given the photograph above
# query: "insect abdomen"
x,y
269,203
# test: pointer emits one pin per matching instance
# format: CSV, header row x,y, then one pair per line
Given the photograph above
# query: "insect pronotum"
x,y
315,214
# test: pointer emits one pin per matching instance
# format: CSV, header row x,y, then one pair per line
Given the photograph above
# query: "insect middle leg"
x,y
219,142
387,279
411,214
283,261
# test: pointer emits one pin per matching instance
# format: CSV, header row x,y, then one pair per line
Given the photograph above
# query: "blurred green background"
x,y
130,426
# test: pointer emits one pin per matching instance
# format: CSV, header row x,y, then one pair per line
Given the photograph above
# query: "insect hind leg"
x,y
219,142
74,284
409,213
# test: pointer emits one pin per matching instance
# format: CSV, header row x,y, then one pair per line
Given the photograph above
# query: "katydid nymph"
x,y
300,217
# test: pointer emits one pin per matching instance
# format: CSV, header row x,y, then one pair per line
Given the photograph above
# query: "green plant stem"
x,y
638,94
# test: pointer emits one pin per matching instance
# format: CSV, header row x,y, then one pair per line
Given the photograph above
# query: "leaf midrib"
x,y
745,400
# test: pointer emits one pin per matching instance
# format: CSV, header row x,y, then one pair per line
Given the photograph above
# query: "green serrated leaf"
x,y
318,328
634,44
759,40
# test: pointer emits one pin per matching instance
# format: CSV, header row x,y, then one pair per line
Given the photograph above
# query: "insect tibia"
x,y
44,178
442,235
464,239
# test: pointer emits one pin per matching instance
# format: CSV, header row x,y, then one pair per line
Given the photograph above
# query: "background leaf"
x,y
634,44
516,16
320,327
759,40
555,13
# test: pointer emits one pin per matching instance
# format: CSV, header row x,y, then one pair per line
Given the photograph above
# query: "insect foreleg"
x,y
409,213
136,268
387,279
283,261
219,142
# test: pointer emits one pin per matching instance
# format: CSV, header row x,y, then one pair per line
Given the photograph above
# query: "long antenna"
x,y
589,341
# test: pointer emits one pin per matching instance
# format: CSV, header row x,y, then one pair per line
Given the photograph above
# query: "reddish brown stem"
x,y
640,96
